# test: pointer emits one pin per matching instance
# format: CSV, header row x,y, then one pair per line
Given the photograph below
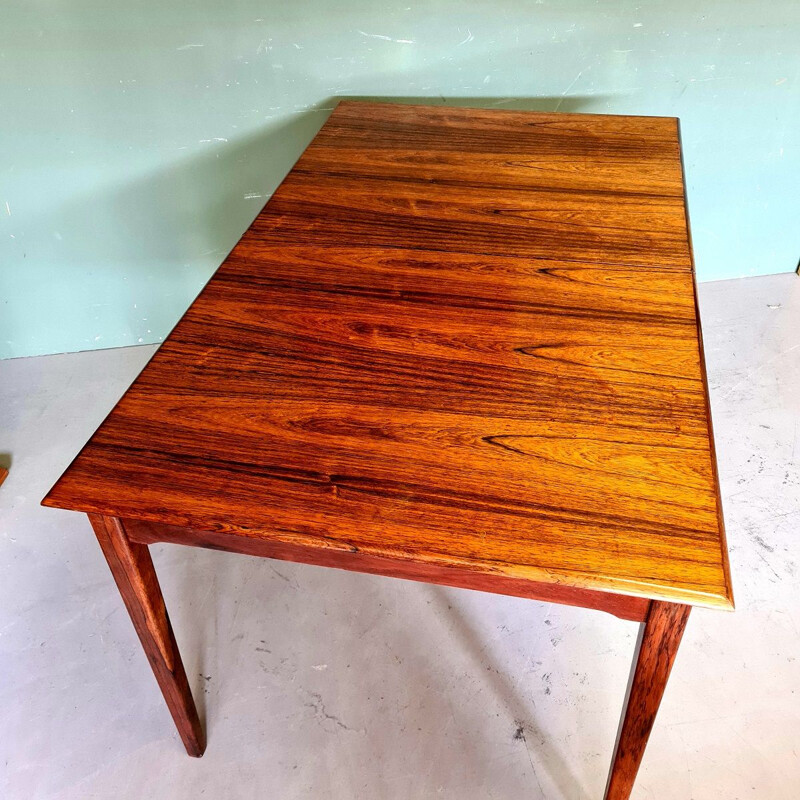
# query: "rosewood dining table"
x,y
457,346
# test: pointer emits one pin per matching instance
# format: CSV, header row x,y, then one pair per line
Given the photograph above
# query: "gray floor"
x,y
323,684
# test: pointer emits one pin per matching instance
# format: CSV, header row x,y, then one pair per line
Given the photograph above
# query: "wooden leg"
x,y
659,637
136,579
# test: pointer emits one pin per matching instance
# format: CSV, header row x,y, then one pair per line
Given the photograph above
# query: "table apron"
x,y
623,606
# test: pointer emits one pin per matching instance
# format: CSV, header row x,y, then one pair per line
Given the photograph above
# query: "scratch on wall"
x,y
386,38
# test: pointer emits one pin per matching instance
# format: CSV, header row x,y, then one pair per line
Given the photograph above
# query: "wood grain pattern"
x,y
453,338
136,580
622,606
658,645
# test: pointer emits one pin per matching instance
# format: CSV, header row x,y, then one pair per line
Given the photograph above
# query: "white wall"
x,y
140,139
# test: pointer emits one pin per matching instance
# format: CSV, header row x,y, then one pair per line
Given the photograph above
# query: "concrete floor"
x,y
324,684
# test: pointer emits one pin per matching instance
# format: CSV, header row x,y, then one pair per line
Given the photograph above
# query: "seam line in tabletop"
x,y
471,236
483,377
452,300
358,244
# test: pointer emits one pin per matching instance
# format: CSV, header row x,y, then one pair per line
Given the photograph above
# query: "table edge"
x,y
240,540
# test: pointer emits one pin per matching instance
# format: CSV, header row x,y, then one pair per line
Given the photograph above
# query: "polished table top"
x,y
454,337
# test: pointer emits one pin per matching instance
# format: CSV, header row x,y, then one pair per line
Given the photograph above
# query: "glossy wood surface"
x,y
661,634
136,580
623,606
453,338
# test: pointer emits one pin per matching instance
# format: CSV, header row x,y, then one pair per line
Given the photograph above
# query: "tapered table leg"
x,y
136,579
659,638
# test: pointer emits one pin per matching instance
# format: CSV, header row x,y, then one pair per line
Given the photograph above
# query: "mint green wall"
x,y
138,140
